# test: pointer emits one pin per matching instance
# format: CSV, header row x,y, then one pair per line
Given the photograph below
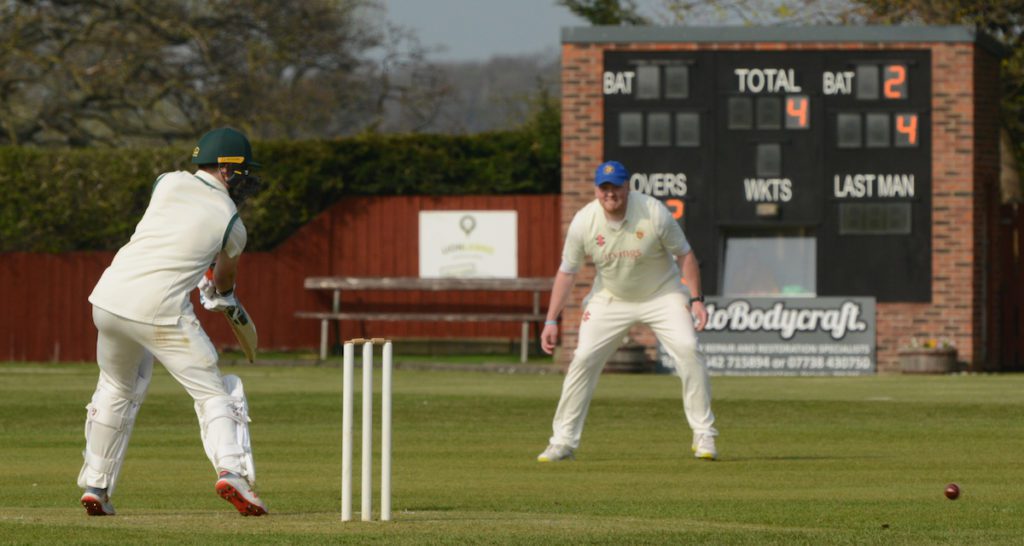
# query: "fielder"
x,y
142,311
639,251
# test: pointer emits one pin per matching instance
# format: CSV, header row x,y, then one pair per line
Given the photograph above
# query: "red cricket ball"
x,y
952,491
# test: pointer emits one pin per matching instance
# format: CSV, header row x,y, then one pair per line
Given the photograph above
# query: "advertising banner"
x,y
468,243
787,336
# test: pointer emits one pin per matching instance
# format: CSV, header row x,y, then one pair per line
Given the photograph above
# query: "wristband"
x,y
699,298
550,323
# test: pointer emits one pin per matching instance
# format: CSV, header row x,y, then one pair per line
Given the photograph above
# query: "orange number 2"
x,y
899,75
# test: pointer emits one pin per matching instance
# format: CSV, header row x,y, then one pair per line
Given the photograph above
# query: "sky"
x,y
476,30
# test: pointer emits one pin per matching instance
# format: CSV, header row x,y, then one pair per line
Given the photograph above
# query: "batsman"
x,y
142,312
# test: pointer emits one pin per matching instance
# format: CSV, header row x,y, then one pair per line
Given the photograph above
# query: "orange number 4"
x,y
907,125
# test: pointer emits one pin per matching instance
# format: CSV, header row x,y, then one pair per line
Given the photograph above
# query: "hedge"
x,y
90,199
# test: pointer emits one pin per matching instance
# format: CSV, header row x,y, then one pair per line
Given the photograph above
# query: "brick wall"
x,y
964,191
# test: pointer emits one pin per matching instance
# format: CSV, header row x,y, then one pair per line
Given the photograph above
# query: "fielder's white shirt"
x,y
189,220
635,258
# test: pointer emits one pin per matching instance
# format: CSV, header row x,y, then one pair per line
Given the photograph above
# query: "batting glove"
x,y
213,300
207,288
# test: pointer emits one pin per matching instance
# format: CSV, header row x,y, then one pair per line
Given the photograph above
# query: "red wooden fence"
x,y
46,315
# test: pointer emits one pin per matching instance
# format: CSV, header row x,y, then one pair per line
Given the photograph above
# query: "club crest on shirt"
x,y
586,316
639,234
600,240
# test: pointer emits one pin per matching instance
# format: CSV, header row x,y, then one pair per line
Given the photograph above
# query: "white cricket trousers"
x,y
606,320
124,351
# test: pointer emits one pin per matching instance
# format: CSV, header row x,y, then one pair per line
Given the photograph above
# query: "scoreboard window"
x,y
677,82
874,218
769,160
659,129
741,112
648,82
797,107
906,131
848,130
770,263
867,82
878,132
631,129
687,129
769,112
894,82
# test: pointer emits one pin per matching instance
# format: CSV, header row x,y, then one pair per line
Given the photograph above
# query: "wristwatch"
x,y
699,298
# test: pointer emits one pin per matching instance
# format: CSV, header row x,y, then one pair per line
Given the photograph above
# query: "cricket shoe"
x,y
97,503
555,452
704,447
234,489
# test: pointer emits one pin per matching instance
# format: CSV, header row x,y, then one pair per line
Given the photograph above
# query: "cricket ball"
x,y
952,491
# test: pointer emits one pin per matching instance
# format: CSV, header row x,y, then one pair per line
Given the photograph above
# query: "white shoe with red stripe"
x,y
234,489
97,503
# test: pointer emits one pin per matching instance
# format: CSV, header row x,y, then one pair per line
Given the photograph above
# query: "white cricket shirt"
x,y
635,259
190,218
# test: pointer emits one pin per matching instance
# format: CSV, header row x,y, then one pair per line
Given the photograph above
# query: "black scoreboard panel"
x,y
877,166
659,122
768,148
831,144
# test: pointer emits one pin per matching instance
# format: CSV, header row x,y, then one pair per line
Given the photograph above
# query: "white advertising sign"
x,y
787,336
468,243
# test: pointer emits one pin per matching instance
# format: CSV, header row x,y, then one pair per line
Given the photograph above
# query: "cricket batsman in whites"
x,y
639,251
142,311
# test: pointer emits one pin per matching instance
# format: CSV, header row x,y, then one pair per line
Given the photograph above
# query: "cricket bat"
x,y
244,329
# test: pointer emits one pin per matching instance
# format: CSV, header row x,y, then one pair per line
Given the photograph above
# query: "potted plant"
x,y
928,356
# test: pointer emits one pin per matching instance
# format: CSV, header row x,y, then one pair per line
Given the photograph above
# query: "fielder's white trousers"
x,y
123,347
606,320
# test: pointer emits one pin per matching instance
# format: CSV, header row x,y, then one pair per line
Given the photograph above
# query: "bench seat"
x,y
336,285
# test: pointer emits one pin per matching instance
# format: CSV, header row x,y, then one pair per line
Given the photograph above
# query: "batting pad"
x,y
224,429
109,422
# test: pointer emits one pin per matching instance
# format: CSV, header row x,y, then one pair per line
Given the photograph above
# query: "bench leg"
x,y
323,339
524,345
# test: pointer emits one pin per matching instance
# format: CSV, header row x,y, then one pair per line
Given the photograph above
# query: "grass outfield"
x,y
803,461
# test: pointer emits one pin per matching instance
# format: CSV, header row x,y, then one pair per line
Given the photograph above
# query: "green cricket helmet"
x,y
224,145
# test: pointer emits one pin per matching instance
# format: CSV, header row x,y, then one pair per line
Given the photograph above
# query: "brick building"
x,y
870,153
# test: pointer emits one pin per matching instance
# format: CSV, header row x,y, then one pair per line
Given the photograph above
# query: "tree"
x,y
606,12
121,72
758,12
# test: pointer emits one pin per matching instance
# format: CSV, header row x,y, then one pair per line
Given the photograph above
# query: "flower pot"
x,y
928,360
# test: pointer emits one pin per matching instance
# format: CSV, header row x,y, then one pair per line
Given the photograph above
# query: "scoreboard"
x,y
828,148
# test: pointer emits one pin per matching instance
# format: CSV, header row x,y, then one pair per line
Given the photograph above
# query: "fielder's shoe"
x,y
555,452
97,503
704,447
234,489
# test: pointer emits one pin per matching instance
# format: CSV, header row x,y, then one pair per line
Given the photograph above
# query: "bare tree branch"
x,y
151,71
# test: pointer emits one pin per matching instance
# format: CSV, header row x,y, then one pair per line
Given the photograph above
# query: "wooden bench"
x,y
337,284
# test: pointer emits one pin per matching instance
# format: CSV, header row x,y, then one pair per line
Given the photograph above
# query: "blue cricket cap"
x,y
612,172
